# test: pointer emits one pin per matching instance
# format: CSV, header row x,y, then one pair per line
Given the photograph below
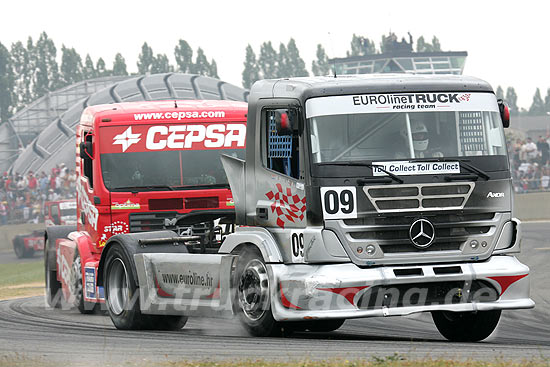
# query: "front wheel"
x,y
122,297
252,300
19,248
466,326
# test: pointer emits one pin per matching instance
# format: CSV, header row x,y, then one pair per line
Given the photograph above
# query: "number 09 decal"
x,y
339,202
297,246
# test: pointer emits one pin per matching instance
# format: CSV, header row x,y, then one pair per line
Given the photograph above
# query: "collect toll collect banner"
x,y
400,102
406,168
190,136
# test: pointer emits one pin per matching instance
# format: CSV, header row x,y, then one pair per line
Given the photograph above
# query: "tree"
x,y
184,57
267,61
46,77
71,66
436,46
547,101
88,70
119,66
499,93
423,46
6,84
284,65
160,64
251,72
23,75
202,66
361,46
145,59
512,100
537,107
101,69
214,69
296,65
321,66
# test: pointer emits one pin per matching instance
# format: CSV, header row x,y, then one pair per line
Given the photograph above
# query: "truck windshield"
x,y
166,156
165,168
413,131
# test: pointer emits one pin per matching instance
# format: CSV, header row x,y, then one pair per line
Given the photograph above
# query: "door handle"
x,y
262,213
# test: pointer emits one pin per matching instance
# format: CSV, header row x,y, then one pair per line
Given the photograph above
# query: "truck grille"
x,y
146,222
389,233
451,231
422,197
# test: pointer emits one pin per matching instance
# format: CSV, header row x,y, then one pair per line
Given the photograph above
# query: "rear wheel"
x,y
53,286
122,297
77,288
466,326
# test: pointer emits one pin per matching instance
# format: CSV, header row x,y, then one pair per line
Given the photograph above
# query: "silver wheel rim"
x,y
117,287
254,290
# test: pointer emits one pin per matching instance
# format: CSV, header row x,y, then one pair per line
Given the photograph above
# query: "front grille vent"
x,y
421,197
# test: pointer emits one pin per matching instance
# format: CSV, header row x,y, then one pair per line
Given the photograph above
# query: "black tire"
x,y
466,326
53,286
324,326
19,247
157,87
252,305
122,297
77,288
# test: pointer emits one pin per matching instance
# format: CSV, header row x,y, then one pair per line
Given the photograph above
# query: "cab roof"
x,y
124,111
310,87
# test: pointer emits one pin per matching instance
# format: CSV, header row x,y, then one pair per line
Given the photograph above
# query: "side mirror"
x,y
286,121
504,113
86,150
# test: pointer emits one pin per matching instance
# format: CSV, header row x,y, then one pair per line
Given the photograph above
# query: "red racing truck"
x,y
60,212
143,167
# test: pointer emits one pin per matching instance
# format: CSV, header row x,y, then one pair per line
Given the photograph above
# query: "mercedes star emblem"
x,y
422,233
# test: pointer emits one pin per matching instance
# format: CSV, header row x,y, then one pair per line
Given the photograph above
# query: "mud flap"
x,y
185,284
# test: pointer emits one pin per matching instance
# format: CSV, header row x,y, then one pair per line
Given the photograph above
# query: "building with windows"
x,y
398,57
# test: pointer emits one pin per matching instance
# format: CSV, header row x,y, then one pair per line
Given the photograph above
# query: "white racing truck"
x,y
381,195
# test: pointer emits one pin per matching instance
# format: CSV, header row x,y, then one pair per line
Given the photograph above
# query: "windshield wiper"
x,y
364,164
143,188
463,162
203,186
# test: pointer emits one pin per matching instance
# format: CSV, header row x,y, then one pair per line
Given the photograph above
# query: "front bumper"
x,y
302,292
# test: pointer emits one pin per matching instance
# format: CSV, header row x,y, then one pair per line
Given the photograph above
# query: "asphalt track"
x,y
30,329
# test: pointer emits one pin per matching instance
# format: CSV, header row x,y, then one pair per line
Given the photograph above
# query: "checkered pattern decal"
x,y
289,207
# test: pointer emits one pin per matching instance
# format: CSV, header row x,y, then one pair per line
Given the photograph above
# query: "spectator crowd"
x,y
530,163
22,197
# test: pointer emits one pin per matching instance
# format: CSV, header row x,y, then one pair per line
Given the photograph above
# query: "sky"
x,y
508,42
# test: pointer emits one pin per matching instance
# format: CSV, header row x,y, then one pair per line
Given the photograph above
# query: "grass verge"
x,y
21,279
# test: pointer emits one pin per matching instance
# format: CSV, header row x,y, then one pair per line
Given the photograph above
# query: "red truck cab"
x,y
140,167
61,212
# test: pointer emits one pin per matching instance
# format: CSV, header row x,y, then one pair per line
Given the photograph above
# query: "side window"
x,y
282,151
87,161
